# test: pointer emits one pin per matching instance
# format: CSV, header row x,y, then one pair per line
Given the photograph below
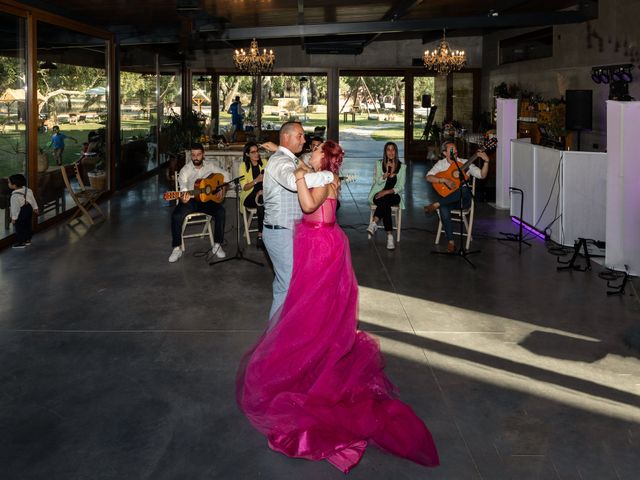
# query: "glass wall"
x,y
232,86
138,123
295,97
13,111
423,90
150,104
73,113
373,107
282,97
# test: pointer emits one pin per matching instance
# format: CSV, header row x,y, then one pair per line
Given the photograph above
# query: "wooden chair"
x,y
248,216
396,214
465,216
85,198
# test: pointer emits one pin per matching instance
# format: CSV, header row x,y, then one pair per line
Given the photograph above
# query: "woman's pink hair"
x,y
332,156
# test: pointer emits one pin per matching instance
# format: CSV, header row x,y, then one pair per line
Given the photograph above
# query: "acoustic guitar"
x,y
204,189
453,174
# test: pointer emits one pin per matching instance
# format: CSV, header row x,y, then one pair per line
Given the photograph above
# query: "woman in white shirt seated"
x,y
386,191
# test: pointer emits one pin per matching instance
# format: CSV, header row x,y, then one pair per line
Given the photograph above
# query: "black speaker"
x,y
579,111
426,101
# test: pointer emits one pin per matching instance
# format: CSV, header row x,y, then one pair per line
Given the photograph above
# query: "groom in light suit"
x,y
281,207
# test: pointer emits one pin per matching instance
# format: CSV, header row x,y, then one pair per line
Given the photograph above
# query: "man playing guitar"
x,y
195,170
436,176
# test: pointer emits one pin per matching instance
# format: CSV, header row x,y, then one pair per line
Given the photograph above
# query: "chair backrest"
x,y
80,174
67,181
473,193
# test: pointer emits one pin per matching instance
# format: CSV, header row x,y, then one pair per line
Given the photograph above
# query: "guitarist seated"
x,y
438,175
195,170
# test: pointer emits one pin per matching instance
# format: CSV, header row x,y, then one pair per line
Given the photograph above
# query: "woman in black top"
x,y
386,191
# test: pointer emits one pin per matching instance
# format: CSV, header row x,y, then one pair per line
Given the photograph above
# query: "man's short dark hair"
x,y
316,139
237,98
197,146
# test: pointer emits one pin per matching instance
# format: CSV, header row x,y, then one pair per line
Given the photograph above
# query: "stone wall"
x,y
574,53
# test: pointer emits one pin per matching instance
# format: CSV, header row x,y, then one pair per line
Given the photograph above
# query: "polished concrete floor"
x,y
115,364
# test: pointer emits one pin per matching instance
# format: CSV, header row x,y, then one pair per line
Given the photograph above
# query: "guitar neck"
x,y
468,163
176,194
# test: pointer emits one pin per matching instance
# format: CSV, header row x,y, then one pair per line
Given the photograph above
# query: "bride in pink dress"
x,y
313,384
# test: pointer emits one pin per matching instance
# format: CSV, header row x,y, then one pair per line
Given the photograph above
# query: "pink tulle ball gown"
x,y
313,384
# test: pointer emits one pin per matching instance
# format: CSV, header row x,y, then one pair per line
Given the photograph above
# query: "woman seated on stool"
x,y
386,191
252,169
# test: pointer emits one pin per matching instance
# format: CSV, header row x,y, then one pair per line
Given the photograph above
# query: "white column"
x,y
507,130
623,193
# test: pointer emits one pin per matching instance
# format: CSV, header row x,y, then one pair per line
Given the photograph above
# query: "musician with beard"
x,y
197,169
452,201
252,172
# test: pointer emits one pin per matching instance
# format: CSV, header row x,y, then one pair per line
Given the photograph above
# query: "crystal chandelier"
x,y
444,60
254,62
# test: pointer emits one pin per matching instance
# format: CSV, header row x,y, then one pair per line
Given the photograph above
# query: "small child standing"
x,y
23,206
57,142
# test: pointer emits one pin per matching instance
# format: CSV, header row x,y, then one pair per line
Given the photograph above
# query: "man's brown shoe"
x,y
451,247
429,209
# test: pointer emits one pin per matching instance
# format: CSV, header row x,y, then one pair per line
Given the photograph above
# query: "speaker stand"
x,y
578,138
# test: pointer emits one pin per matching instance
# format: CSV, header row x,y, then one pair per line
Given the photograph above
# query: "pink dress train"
x,y
313,384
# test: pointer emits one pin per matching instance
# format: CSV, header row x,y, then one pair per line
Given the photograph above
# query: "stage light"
x,y
595,75
622,74
604,76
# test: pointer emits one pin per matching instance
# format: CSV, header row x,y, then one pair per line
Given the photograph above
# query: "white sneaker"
x,y
218,251
371,229
390,243
176,253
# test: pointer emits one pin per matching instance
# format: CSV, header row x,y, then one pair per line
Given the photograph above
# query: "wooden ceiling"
x,y
314,24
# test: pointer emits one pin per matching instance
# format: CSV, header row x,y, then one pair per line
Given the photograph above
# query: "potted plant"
x,y
93,160
179,132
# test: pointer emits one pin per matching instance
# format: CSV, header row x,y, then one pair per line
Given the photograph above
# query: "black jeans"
x,y
452,202
216,210
383,209
23,224
250,202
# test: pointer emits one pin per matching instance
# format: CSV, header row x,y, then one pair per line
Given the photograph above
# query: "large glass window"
x,y
372,107
295,97
73,111
232,86
138,124
423,96
13,111
150,109
282,97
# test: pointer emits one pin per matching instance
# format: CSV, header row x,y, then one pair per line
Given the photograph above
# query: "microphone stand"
x,y
464,182
239,255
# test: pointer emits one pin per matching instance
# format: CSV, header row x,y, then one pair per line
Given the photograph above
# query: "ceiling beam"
x,y
501,21
400,9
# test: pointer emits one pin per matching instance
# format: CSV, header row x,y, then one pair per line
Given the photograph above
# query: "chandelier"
x,y
254,62
444,60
